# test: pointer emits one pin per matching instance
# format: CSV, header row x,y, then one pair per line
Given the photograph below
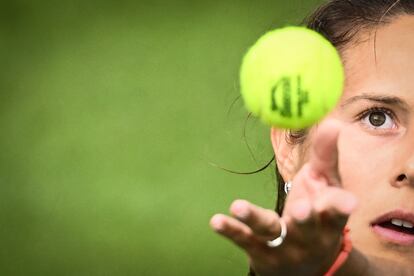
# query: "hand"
x,y
316,212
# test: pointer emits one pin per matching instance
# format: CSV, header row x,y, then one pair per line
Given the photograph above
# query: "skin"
x,y
387,152
348,171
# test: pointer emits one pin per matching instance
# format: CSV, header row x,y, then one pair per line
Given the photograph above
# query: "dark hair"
x,y
341,21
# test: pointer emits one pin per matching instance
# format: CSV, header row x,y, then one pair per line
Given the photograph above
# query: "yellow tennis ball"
x,y
291,77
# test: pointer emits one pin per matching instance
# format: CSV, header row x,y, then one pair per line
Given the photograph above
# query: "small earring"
x,y
288,186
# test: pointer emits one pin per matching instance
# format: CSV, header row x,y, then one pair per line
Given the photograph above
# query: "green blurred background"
x,y
111,113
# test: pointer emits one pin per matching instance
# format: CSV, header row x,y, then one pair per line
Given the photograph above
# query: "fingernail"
x,y
217,223
240,209
351,204
301,210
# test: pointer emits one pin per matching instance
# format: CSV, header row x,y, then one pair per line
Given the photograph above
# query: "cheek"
x,y
362,161
363,171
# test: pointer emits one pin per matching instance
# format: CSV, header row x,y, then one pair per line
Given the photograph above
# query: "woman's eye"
x,y
378,119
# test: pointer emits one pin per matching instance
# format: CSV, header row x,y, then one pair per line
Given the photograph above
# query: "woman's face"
x,y
376,146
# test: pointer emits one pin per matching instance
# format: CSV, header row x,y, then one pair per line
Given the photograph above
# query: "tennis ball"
x,y
291,77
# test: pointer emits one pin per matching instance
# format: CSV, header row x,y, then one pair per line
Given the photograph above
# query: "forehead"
x,y
384,62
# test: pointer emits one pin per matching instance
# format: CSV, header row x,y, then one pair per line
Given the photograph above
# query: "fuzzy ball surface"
x,y
291,78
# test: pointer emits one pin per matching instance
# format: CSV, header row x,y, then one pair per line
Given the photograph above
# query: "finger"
x,y
300,210
234,230
324,152
333,206
243,236
325,221
301,218
263,222
306,184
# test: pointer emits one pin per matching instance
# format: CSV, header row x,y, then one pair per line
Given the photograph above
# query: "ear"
x,y
286,154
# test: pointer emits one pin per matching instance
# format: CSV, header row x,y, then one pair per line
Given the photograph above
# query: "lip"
x,y
390,235
397,214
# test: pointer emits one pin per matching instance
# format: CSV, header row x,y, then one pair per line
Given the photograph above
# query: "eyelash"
x,y
371,110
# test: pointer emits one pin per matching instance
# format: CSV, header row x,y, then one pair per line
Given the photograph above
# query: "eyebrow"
x,y
385,99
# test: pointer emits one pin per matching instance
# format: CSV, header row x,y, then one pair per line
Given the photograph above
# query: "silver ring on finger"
x,y
279,240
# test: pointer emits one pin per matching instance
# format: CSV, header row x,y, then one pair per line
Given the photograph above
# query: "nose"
x,y
406,174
